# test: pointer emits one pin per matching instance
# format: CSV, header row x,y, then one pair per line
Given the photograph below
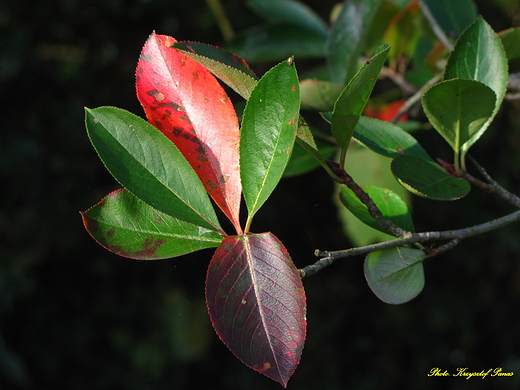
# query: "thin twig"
x,y
491,186
455,235
415,98
435,26
343,177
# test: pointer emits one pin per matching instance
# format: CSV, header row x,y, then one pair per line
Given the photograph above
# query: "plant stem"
x,y
454,235
415,98
222,20
491,185
435,26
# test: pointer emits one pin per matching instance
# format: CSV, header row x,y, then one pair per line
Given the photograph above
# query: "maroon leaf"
x,y
187,104
256,303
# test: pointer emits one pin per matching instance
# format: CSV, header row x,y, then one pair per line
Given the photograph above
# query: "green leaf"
x,y
389,203
511,40
290,12
458,109
277,42
368,168
127,226
228,67
319,95
149,165
427,179
268,132
302,162
353,99
347,38
387,139
395,275
452,16
479,55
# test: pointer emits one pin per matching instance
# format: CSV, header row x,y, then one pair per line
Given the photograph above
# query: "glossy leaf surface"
x,y
387,139
428,179
452,16
256,303
389,203
185,101
268,132
127,226
145,162
353,99
347,38
458,109
290,12
228,67
395,275
479,55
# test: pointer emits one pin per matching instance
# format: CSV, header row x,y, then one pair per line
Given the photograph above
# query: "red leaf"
x,y
385,112
185,101
256,303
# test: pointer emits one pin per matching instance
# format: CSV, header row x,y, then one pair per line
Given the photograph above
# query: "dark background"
x,y
75,316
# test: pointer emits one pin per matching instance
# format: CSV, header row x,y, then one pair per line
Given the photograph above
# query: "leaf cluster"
x,y
193,153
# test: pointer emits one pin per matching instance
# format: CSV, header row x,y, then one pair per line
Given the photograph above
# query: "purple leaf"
x,y
256,303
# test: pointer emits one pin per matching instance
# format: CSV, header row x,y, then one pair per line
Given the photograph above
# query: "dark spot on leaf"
x,y
200,149
110,233
400,149
223,178
186,136
157,218
227,248
211,184
146,57
202,158
153,92
195,75
177,131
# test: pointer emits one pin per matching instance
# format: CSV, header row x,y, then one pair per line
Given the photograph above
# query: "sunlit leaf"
x,y
458,109
268,132
347,38
389,203
353,99
127,226
228,67
185,101
256,303
395,275
144,161
479,55
427,179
